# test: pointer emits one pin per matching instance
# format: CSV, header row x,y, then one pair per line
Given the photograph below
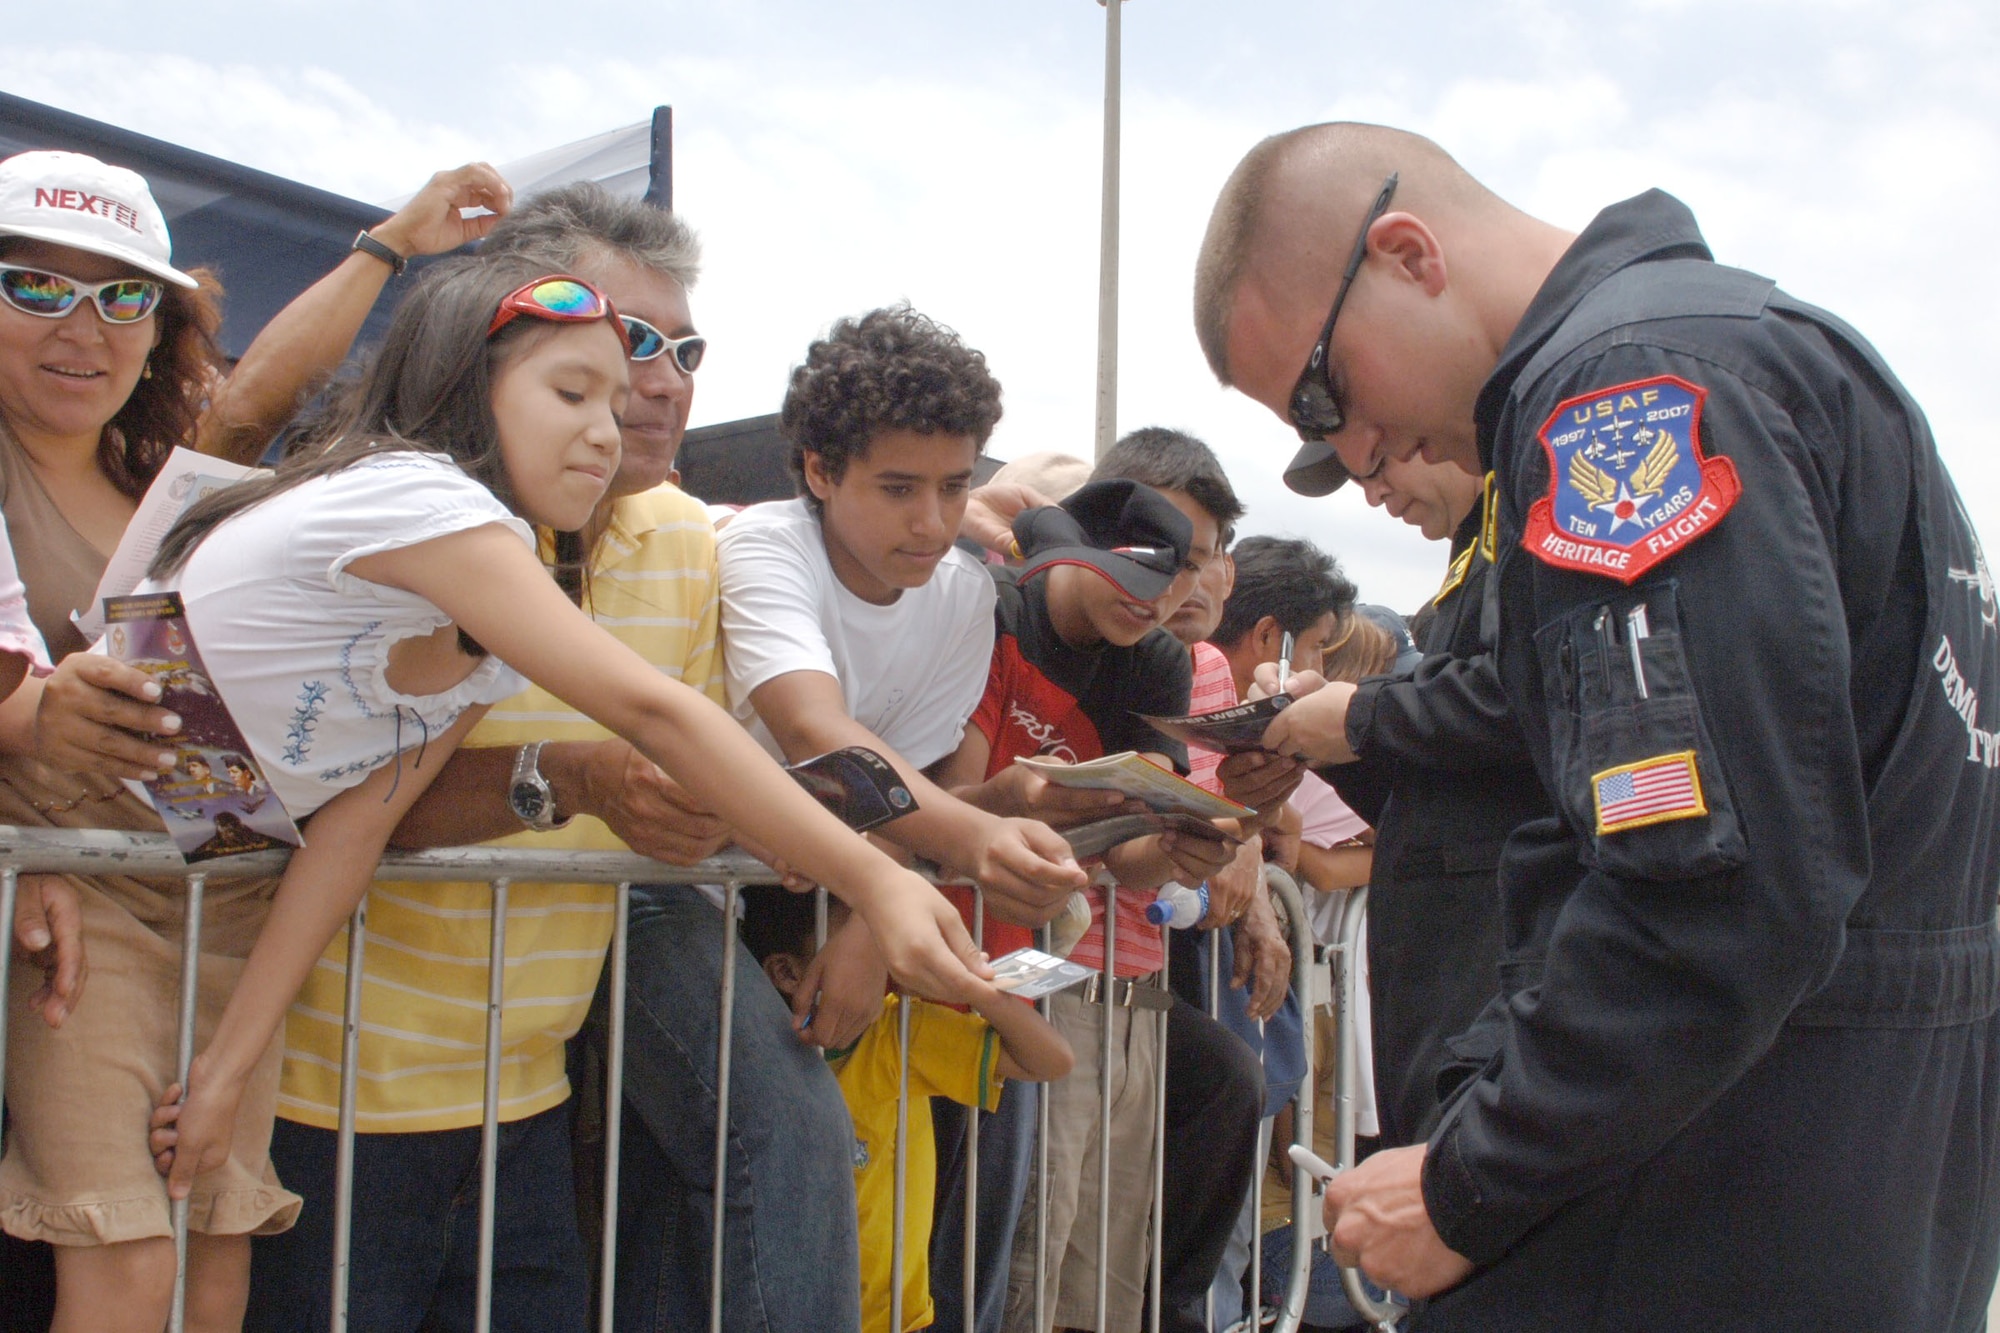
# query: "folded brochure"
x,y
1143,780
860,787
1100,836
215,800
1237,730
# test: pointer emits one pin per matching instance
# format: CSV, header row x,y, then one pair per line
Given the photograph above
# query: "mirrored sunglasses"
x,y
52,296
560,298
648,342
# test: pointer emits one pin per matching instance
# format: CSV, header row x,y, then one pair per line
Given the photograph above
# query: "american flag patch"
x,y
1651,791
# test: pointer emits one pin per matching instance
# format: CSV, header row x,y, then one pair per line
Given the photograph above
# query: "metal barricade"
x,y
102,852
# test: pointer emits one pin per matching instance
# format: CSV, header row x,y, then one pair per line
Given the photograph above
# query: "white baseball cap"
x,y
73,199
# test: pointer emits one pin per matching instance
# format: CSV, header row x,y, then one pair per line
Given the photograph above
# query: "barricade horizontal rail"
x,y
29,851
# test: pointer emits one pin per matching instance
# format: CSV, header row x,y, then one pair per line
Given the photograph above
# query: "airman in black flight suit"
x,y
1749,1065
1443,776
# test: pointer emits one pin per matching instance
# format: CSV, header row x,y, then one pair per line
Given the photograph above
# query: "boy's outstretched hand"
x,y
1026,869
192,1135
922,939
48,928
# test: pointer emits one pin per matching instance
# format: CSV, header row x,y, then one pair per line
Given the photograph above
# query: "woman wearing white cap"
x,y
107,354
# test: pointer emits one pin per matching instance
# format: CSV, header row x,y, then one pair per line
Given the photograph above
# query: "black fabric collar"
x,y
1649,226
1068,669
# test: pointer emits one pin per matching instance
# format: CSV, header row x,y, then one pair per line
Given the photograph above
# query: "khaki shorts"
x,y
1076,1114
76,1169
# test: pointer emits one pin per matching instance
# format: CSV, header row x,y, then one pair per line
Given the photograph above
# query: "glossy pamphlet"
x,y
215,800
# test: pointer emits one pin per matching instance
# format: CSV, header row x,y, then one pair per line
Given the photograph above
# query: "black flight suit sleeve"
x,y
1447,713
1672,965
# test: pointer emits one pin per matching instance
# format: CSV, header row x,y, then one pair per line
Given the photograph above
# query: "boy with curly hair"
x,y
851,618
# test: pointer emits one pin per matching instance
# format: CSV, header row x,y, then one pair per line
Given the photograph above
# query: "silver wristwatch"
x,y
528,792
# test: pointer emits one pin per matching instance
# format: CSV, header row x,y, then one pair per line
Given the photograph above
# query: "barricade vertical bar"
x,y
1109,997
10,885
1159,1150
489,1125
1045,941
1306,1223
1214,1012
900,1211
970,1291
350,1077
614,1111
724,1038
190,997
1257,1212
1382,1314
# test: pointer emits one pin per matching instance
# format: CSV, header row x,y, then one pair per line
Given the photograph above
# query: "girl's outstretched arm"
x,y
486,580
321,885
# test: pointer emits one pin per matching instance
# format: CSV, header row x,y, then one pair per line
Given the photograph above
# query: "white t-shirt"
x,y
299,648
911,671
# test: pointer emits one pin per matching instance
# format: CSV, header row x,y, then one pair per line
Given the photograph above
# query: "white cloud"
x,y
837,162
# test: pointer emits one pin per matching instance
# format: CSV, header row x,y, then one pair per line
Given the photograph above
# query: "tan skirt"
x,y
76,1169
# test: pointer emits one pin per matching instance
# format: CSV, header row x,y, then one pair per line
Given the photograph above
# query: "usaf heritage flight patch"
x,y
1628,485
1651,791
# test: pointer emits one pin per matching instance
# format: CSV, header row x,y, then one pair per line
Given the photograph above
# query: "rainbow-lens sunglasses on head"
x,y
34,291
560,298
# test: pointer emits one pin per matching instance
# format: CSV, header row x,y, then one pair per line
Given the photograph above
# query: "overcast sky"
x,y
838,157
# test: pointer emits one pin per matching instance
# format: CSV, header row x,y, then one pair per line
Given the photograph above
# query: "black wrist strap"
x,y
368,245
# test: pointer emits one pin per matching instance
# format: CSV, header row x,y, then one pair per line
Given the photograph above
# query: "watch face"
x,y
527,801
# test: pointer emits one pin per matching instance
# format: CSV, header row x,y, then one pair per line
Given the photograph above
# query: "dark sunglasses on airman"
x,y
648,342
1316,409
52,296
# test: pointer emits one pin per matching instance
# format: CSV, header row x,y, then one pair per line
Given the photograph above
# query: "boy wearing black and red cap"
x,y
1079,652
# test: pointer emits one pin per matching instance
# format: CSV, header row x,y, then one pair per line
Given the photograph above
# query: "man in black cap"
x,y
1749,1062
1444,777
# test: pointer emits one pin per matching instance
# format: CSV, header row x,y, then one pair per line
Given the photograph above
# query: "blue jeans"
x,y
791,1256
1006,1164
416,1233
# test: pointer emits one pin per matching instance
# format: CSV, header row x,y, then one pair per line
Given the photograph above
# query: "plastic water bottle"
x,y
1178,906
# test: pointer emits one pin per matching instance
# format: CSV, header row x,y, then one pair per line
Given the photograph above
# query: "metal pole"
x,y
724,1037
900,1208
970,1291
1307,980
1107,245
1160,1148
614,1111
10,885
489,1127
1109,998
1045,939
1347,976
190,997
1214,997
350,1078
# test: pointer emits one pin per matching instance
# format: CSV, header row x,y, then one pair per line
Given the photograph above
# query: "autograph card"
x,y
1031,974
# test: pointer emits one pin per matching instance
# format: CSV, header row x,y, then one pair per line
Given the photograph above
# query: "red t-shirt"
x,y
1046,698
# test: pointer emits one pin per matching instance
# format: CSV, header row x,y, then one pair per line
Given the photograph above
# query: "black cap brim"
x,y
1316,470
1141,583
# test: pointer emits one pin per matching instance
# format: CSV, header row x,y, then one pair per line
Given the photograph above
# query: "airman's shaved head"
x,y
1294,203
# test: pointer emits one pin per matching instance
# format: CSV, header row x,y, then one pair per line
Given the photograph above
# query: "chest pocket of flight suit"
x,y
1634,764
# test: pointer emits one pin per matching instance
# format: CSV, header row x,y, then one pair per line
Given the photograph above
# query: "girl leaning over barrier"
x,y
396,568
